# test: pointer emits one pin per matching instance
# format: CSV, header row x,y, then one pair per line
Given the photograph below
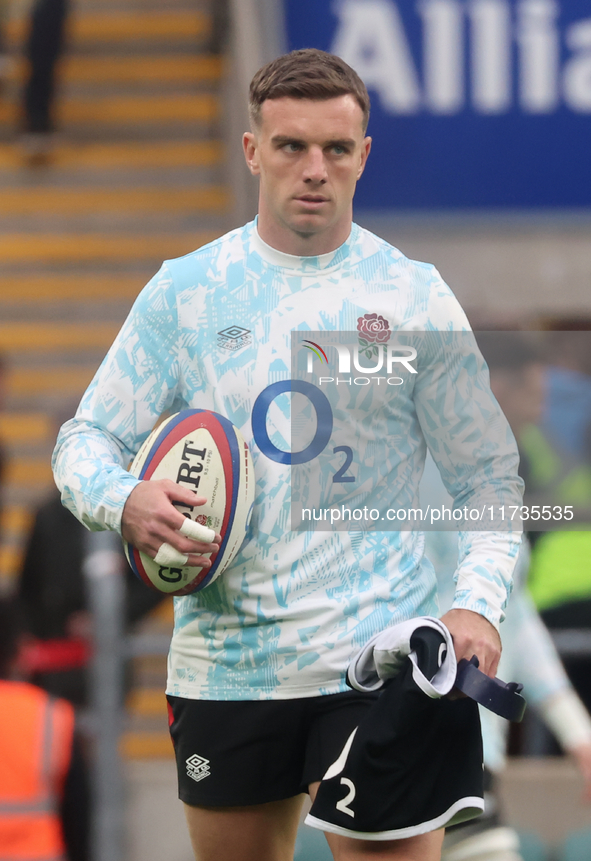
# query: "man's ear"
x,y
366,147
249,144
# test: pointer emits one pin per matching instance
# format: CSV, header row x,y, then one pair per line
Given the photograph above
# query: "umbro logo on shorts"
x,y
198,767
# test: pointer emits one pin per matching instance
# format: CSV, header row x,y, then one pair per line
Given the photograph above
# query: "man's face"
x,y
309,155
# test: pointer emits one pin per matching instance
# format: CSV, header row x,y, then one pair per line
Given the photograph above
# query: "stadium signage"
x,y
481,54
475,103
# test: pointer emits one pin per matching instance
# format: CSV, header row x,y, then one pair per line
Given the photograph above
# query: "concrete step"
x,y
146,745
62,248
147,702
125,25
119,177
102,6
30,471
15,524
136,110
61,380
132,156
25,428
15,519
11,560
179,69
57,337
74,201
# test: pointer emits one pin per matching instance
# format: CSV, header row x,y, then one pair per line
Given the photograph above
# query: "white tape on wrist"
x,y
197,532
168,557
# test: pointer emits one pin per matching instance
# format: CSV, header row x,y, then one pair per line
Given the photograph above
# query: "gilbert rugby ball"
x,y
204,452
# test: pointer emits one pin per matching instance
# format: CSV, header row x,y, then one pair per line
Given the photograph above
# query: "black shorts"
x,y
236,753
413,765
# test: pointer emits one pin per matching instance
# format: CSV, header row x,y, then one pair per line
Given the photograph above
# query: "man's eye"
x,y
292,147
339,150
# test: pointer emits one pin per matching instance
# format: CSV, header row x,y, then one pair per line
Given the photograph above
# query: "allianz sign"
x,y
487,56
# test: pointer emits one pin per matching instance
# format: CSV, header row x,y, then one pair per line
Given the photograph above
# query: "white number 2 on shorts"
x,y
342,804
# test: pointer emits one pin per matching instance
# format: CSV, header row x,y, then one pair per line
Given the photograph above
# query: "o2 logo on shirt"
x,y
324,425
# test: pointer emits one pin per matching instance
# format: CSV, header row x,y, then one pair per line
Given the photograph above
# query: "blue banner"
x,y
475,103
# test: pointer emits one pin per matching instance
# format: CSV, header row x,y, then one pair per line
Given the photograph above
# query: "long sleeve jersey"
x,y
213,330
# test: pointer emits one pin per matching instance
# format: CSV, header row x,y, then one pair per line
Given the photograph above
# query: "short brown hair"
x,y
306,74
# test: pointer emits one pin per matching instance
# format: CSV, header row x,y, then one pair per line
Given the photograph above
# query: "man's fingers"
x,y
197,531
184,546
169,557
151,523
487,661
201,539
193,539
198,534
178,493
492,668
187,527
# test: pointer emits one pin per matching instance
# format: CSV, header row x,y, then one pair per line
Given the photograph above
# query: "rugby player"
x,y
259,703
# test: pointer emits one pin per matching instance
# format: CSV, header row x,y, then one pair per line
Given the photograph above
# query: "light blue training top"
x,y
213,330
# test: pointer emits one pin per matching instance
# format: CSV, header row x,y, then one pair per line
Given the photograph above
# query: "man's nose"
x,y
315,166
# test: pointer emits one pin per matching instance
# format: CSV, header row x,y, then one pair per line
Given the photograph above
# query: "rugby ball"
x,y
204,452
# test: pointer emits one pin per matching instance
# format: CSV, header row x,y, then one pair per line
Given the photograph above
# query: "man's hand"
x,y
150,520
474,635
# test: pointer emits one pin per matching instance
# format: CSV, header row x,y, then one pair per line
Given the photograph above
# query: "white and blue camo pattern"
x,y
283,621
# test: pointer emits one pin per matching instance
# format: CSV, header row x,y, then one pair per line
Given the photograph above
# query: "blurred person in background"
x,y
518,381
3,388
559,454
5,61
43,48
220,27
43,790
51,590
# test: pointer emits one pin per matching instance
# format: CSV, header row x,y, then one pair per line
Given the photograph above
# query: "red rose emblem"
x,y
373,328
202,519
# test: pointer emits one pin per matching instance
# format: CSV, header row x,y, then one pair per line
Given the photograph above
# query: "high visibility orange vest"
x,y
35,749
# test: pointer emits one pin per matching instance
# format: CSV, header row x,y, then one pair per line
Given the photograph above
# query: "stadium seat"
x,y
576,847
311,845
